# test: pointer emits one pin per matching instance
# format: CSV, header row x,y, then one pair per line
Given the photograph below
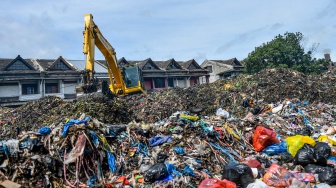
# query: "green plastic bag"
x,y
294,143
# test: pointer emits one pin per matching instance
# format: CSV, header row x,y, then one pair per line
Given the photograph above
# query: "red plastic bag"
x,y
217,183
253,163
278,176
263,137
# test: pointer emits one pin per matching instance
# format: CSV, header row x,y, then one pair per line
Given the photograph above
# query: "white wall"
x,y
69,88
181,83
9,91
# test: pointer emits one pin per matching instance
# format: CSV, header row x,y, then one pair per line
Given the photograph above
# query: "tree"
x,y
285,51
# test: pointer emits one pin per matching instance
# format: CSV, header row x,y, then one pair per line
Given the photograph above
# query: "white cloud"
x,y
179,29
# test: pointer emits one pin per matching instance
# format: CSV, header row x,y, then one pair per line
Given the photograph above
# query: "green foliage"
x,y
284,51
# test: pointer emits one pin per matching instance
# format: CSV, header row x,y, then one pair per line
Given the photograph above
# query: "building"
x,y
221,69
160,75
23,80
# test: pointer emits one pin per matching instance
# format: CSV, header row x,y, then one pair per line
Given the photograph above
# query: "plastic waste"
x,y
328,175
326,139
144,167
172,170
77,150
253,163
115,129
157,171
266,163
278,176
305,177
217,183
294,143
322,153
257,184
322,185
297,184
313,168
331,160
263,137
111,162
33,144
277,109
305,155
44,130
188,171
222,113
241,174
92,181
275,149
306,131
231,131
12,146
179,150
158,140
189,117
286,157
72,122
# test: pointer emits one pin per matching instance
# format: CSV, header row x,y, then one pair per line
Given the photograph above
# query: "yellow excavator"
x,y
123,81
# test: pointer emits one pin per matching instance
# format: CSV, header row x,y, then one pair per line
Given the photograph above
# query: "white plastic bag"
x,y
222,113
257,184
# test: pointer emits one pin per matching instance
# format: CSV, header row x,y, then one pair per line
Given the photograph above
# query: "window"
x,y
159,83
51,88
170,82
172,66
29,89
209,68
18,65
61,66
192,66
148,67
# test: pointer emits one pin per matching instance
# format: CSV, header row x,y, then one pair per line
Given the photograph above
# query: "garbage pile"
x,y
53,110
268,86
189,140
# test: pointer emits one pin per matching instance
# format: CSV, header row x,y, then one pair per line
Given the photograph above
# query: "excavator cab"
x,y
133,79
130,76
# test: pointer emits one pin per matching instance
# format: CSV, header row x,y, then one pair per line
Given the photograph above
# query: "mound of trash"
x,y
53,110
249,131
268,86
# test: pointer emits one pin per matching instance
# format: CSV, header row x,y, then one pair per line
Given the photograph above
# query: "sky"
x,y
163,29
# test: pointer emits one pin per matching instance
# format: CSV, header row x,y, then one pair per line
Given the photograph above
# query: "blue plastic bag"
x,y
72,122
275,149
92,181
172,170
158,140
188,171
44,130
179,150
111,162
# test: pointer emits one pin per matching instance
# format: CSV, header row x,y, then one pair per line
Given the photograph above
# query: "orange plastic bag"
x,y
217,183
277,176
263,137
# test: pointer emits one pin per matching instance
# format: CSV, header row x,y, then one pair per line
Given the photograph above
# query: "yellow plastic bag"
x,y
294,143
325,138
230,131
192,118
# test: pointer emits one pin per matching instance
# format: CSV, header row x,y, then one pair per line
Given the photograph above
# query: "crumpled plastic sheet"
x,y
44,130
73,122
77,150
158,140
